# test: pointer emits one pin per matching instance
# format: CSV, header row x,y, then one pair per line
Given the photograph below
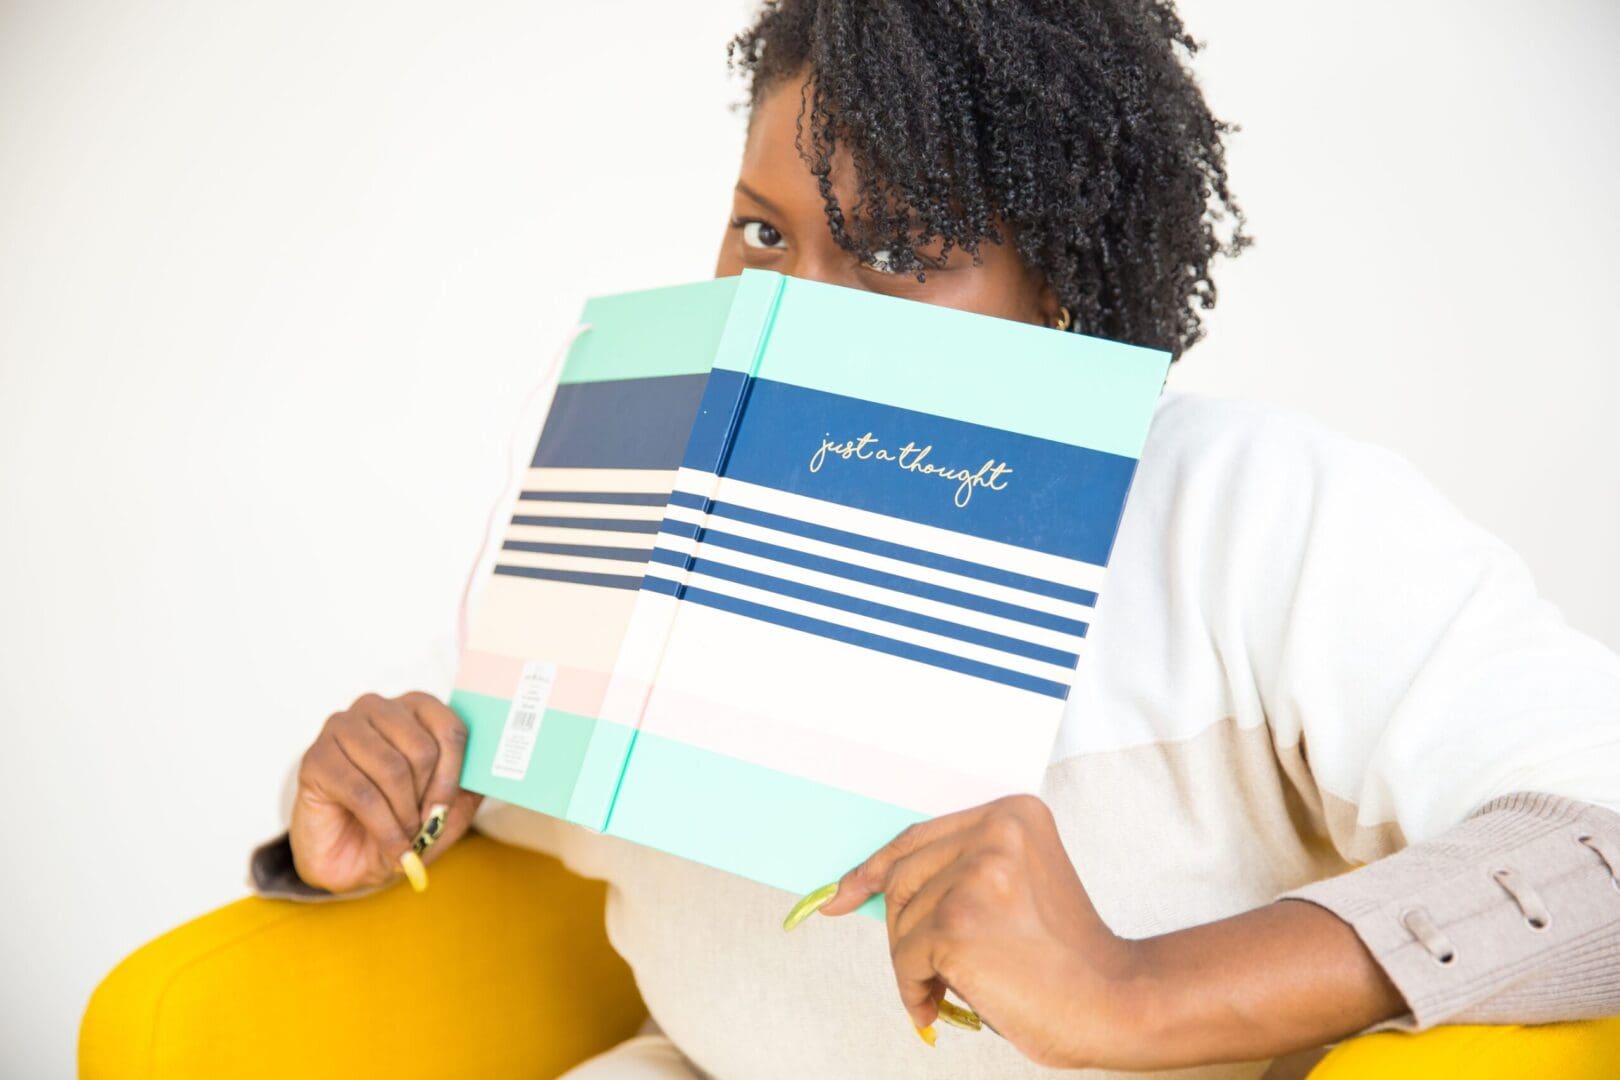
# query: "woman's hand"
x,y
986,902
366,785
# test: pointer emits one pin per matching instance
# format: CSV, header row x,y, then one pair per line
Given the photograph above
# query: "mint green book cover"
x,y
804,566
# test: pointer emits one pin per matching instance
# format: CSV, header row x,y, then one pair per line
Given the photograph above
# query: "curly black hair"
x,y
1075,122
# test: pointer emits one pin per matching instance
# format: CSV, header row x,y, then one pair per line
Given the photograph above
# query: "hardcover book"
x,y
796,566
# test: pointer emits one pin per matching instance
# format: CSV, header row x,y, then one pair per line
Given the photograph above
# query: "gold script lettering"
x,y
912,458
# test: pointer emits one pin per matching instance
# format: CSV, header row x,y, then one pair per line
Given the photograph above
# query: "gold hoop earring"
x,y
1063,319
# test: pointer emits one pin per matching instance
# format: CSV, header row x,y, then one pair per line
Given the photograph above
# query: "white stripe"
x,y
616,511
934,715
950,646
634,481
1019,560
995,624
553,534
795,542
546,561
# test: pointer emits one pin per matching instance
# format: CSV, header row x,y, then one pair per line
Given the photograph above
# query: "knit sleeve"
x,y
271,874
1513,916
1461,738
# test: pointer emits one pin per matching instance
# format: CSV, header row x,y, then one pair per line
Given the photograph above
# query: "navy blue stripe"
x,y
689,500
617,498
620,423
588,551
869,608
608,581
1049,496
724,397
887,548
927,590
859,638
609,524
680,528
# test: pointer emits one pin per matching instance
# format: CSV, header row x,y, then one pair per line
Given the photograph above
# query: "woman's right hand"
x,y
366,785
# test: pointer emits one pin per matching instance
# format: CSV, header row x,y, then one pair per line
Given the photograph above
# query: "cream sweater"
x,y
1306,660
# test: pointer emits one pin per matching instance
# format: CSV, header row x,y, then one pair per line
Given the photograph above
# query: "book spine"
x,y
737,358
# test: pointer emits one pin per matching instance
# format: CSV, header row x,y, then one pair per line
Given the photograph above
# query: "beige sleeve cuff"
x,y
1513,916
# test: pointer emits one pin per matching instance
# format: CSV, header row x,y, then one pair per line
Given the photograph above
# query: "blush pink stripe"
x,y
577,690
814,755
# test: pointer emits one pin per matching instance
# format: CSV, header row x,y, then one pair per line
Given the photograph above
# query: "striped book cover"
x,y
850,594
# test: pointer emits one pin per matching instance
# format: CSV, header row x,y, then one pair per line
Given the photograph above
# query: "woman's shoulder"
x,y
1190,424
1232,448
1237,477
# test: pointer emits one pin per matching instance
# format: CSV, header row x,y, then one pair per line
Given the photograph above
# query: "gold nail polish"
x,y
926,1034
431,829
809,905
415,871
959,1016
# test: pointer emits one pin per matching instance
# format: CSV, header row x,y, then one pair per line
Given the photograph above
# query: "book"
x,y
796,566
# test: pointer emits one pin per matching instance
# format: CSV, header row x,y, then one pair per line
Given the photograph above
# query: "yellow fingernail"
x,y
809,905
411,863
431,828
926,1034
959,1016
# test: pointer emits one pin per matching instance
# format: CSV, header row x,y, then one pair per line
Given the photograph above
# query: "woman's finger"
x,y
403,729
916,974
989,853
912,876
922,898
330,774
869,878
382,764
449,733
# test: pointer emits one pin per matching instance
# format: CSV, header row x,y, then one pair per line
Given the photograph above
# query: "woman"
x,y
1309,659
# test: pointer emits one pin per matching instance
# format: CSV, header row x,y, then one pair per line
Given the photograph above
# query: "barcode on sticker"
x,y
516,747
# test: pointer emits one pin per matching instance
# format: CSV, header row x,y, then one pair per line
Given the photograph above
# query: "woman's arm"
x,y
1511,917
1401,658
986,903
1218,992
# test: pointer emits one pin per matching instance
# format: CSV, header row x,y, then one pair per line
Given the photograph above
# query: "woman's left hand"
x,y
986,903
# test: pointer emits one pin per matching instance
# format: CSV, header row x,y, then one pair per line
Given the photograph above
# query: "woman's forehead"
x,y
774,167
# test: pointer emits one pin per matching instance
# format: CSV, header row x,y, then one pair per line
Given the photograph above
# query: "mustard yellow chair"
x,y
502,969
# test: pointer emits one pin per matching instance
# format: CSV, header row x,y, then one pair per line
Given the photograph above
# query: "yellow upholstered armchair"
x,y
502,969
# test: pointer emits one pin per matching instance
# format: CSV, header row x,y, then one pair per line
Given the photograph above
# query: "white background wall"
x,y
274,277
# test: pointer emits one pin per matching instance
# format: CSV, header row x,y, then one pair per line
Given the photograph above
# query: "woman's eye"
x,y
759,234
882,262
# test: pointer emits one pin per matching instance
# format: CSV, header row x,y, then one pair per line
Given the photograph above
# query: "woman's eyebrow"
x,y
757,197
